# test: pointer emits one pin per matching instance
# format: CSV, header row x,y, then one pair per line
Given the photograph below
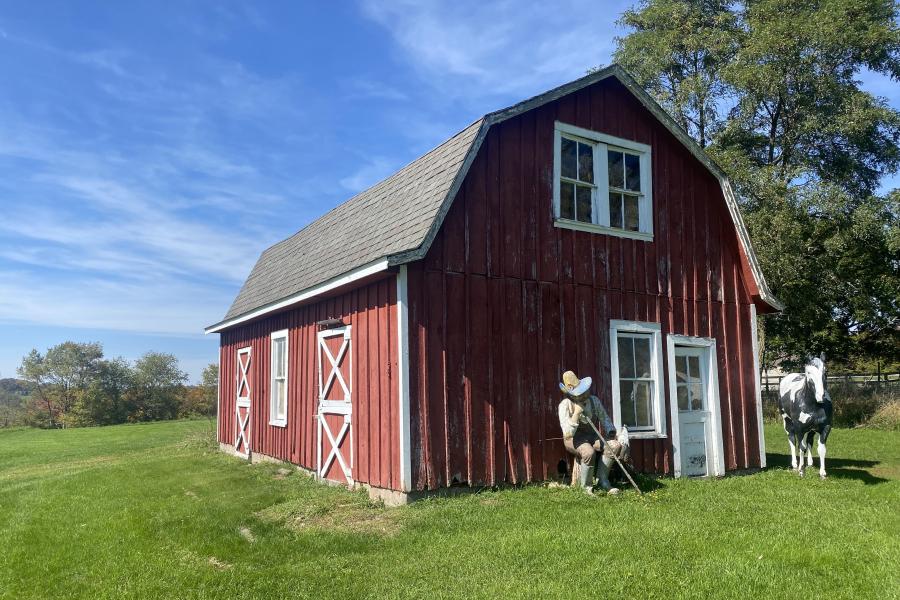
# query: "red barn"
x,y
413,338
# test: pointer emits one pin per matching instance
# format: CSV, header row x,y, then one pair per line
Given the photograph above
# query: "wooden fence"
x,y
863,382
856,397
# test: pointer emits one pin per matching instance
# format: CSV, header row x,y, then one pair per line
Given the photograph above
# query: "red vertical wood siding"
x,y
504,301
371,310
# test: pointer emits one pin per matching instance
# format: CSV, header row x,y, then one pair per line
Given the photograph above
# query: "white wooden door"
x,y
335,411
242,403
693,410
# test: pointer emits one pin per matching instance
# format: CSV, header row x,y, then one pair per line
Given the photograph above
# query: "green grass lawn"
x,y
154,511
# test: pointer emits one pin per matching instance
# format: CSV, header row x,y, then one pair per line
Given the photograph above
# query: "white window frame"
x,y
273,405
602,142
656,371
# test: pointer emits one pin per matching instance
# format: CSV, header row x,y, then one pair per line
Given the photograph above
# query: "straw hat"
x,y
573,386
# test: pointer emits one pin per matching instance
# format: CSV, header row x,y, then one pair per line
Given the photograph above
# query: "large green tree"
x,y
105,400
158,387
804,144
678,49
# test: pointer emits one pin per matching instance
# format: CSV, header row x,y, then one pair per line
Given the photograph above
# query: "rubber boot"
x,y
605,463
586,479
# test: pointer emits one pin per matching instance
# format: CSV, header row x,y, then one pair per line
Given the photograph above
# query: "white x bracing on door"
x,y
335,408
242,403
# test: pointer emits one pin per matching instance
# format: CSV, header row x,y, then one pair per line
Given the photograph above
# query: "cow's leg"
x,y
790,433
801,466
823,437
809,441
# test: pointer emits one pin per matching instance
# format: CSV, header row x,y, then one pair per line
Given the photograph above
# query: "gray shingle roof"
x,y
398,218
390,218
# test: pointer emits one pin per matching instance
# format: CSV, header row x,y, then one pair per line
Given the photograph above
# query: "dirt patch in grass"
x,y
347,514
247,534
221,565
885,471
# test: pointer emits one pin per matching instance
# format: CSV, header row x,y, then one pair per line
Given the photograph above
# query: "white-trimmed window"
x,y
636,371
279,379
601,183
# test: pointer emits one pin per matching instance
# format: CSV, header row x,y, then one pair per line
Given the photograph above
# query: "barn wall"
x,y
504,301
371,311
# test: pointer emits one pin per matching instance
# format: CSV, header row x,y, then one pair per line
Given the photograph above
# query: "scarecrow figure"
x,y
579,406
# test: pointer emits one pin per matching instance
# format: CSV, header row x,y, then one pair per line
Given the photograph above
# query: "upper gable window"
x,y
602,183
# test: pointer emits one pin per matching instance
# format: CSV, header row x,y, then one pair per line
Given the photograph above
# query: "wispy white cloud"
x,y
138,211
103,303
499,48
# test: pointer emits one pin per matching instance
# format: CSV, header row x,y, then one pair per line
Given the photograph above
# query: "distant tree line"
x,y
73,385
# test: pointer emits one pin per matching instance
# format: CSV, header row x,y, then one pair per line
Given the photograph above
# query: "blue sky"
x,y
148,156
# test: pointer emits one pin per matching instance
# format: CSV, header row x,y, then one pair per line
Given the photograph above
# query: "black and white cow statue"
x,y
806,410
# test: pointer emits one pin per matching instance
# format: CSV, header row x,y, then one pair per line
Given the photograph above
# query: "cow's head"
x,y
815,372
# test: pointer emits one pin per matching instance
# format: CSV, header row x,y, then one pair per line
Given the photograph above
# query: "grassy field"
x,y
154,511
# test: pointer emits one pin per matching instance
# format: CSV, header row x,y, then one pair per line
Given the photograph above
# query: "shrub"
x,y
851,410
887,417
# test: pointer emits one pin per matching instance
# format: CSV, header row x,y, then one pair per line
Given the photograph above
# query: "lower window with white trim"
x,y
636,373
279,378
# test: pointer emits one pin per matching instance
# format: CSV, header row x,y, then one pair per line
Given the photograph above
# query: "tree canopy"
x,y
772,88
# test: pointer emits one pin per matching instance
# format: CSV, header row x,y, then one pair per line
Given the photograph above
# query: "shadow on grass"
x,y
645,482
837,468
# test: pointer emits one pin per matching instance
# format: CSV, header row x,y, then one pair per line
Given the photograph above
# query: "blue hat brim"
x,y
583,386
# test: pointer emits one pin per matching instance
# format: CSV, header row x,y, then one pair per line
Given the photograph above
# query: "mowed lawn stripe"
x,y
154,510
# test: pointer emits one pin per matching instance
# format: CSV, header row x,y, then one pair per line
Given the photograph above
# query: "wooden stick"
x,y
615,458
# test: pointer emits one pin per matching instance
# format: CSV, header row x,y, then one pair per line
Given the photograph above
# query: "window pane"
x,y
633,172
694,363
682,397
280,399
626,402
566,200
615,210
626,357
583,210
642,357
567,161
616,169
631,213
680,369
279,357
696,396
585,163
643,416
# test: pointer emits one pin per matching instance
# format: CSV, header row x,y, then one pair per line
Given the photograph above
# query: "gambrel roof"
x,y
395,221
